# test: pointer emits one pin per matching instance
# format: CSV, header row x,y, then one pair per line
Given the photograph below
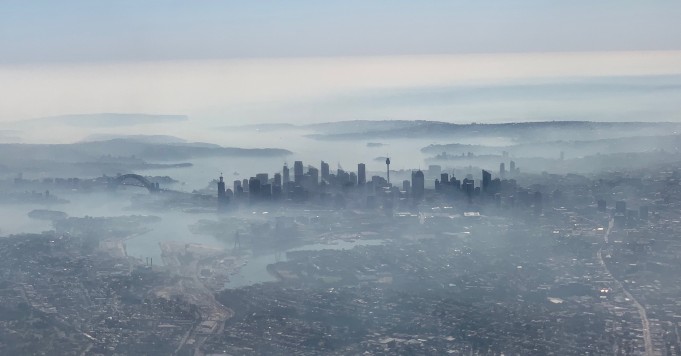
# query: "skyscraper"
x,y
221,188
418,183
238,189
314,175
254,189
263,178
502,169
486,180
223,198
406,185
361,174
325,171
277,179
468,187
285,173
342,177
512,167
353,178
298,172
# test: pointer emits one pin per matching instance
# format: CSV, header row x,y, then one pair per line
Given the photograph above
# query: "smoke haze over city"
x,y
343,178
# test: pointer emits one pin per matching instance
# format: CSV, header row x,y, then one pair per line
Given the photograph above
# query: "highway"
x,y
648,344
195,292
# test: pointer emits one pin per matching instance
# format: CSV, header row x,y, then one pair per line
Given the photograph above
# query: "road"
x,y
645,324
195,292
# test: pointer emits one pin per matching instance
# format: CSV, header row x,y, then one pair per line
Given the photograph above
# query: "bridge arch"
x,y
151,187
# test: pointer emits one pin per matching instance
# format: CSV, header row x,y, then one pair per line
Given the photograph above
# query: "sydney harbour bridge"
x,y
134,180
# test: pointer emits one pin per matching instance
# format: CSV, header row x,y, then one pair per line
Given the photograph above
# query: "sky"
x,y
133,30
230,62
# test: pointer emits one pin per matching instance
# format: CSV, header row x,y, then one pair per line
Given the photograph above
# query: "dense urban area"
x,y
361,178
433,261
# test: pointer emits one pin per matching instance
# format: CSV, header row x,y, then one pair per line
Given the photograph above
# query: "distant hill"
x,y
99,120
260,127
87,151
521,132
572,148
366,126
338,127
162,139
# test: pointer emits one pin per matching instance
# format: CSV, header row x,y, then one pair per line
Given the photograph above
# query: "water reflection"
x,y
255,271
15,220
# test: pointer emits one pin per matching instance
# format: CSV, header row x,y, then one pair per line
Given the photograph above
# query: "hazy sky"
x,y
113,30
234,62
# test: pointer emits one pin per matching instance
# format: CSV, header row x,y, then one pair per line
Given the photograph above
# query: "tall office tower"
x,y
502,169
486,180
444,179
361,174
468,186
263,178
455,183
285,172
238,189
342,177
245,184
277,179
276,192
353,178
418,184
254,189
406,185
266,191
512,168
387,164
325,171
314,175
221,188
298,172
621,207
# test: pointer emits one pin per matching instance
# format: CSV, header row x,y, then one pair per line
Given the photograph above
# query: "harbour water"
x,y
255,271
174,226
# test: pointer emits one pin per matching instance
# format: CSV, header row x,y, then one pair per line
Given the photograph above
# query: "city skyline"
x,y
382,177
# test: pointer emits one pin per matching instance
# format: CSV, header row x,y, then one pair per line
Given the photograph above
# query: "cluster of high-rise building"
x,y
489,188
307,184
623,217
512,169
